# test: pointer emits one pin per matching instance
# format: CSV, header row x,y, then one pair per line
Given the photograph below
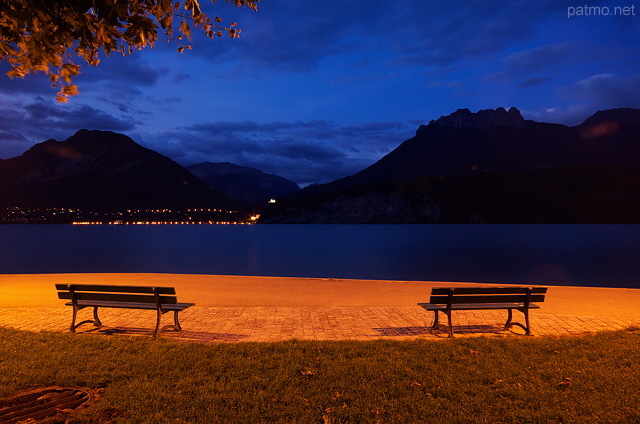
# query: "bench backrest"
x,y
114,293
455,295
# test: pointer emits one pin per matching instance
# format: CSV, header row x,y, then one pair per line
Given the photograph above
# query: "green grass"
x,y
586,379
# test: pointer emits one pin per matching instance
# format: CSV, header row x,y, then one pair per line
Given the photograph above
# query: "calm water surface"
x,y
586,255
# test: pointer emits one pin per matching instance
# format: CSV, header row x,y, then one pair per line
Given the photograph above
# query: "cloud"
x,y
115,72
304,151
535,66
28,123
33,84
125,71
298,36
52,116
587,96
529,61
606,90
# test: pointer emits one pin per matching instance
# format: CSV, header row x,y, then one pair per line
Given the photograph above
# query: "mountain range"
x,y
241,182
492,166
103,170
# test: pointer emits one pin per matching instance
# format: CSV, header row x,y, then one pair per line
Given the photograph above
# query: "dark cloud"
x,y
33,84
526,62
113,74
303,151
125,71
442,33
298,36
25,124
49,115
542,64
606,90
536,66
589,95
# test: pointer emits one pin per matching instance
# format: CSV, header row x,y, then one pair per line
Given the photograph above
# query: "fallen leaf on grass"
x,y
565,383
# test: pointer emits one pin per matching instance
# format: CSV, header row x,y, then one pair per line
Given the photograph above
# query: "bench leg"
x,y
436,322
450,326
95,321
175,320
159,312
526,320
73,319
509,318
526,327
176,324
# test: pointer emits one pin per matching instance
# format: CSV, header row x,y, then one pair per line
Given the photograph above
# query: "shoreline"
x,y
38,291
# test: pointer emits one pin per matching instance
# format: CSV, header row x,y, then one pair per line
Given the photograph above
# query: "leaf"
x,y
565,383
185,29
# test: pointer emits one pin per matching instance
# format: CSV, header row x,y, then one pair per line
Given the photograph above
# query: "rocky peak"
x,y
488,118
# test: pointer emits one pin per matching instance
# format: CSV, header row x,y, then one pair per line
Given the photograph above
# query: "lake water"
x,y
585,255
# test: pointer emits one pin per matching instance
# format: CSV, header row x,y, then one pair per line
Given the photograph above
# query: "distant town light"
x,y
272,200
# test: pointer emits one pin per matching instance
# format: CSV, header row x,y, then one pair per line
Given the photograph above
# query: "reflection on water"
x,y
590,255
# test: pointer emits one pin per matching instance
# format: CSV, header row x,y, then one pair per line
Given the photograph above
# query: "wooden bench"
x,y
447,299
162,299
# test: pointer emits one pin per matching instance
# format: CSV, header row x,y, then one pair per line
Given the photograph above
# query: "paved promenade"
x,y
263,309
267,324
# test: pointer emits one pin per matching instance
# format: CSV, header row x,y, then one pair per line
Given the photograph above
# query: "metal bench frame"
x,y
448,299
161,299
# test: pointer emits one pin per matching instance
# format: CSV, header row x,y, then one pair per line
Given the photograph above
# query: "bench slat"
x,y
486,290
472,306
115,297
501,298
115,288
132,305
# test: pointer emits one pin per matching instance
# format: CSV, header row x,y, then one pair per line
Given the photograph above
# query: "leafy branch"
x,y
49,35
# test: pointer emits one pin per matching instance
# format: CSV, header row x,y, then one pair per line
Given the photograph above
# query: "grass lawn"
x,y
581,379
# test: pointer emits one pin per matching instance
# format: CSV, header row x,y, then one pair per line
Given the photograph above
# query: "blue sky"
x,y
315,91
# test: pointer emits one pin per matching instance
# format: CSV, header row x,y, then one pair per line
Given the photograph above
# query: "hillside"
x,y
241,182
492,166
101,170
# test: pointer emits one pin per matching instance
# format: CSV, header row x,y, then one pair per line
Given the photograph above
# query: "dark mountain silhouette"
x,y
101,170
241,182
491,166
